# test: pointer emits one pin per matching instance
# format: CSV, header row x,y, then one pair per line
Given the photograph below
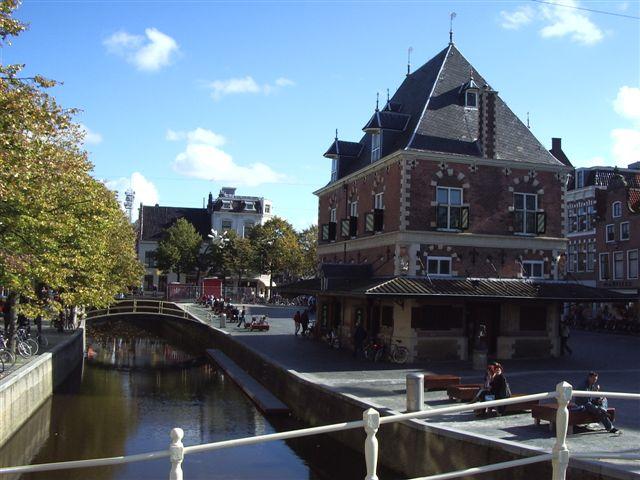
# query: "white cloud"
x,y
203,158
145,191
516,19
147,54
234,86
174,136
626,146
561,20
90,137
627,103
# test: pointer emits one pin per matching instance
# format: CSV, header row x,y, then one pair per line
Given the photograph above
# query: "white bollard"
x,y
415,392
176,450
371,420
560,460
223,320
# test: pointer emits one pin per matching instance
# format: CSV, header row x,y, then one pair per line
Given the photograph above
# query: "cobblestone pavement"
x,y
615,357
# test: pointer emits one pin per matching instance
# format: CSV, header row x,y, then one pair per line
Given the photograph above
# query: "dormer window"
x,y
471,99
376,146
334,169
249,206
226,205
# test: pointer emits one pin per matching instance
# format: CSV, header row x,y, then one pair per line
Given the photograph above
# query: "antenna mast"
x,y
129,197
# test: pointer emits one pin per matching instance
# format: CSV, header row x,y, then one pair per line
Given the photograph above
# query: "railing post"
x,y
176,456
134,305
371,420
560,460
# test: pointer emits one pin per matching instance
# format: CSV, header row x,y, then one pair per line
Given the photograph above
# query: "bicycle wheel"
x,y
378,355
400,355
1,365
7,357
34,345
24,349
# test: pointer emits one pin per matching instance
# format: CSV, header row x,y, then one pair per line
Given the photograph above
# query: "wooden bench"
x,y
523,406
440,382
548,412
463,392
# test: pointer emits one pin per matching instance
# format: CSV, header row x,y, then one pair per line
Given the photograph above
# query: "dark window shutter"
x,y
353,226
369,222
464,218
344,228
378,219
332,231
541,222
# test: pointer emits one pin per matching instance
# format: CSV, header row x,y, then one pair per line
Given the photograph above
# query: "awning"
x,y
462,288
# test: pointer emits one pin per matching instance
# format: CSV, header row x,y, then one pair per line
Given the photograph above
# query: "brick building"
x,y
446,215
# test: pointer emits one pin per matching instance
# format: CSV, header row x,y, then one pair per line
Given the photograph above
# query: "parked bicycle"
x,y
395,352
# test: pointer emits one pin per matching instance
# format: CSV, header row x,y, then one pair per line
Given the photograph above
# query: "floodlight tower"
x,y
129,197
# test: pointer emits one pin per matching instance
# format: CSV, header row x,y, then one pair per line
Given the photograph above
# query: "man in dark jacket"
x,y
595,405
359,337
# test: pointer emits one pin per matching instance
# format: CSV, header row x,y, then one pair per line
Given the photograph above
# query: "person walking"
x,y
564,337
242,318
296,321
595,405
359,336
304,321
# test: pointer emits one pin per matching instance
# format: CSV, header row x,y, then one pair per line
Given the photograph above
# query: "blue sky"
x,y
182,98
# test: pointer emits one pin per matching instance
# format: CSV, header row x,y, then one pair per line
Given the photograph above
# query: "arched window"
x,y
617,209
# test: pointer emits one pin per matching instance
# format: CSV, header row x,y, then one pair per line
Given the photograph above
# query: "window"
x,y
632,264
533,318
387,316
618,265
624,231
532,269
332,215
247,229
376,146
226,205
572,258
610,234
471,100
439,266
580,179
591,256
604,266
334,169
450,211
353,209
227,225
249,206
617,209
526,220
150,259
378,201
437,317
582,254
267,208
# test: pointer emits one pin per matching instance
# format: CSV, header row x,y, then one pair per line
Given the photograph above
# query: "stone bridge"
x,y
146,308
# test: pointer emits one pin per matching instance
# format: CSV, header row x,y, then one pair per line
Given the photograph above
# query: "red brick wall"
x,y
381,259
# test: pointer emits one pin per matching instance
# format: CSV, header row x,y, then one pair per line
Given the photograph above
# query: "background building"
x,y
237,212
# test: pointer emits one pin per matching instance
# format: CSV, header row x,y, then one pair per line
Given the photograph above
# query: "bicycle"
x,y
398,353
24,336
7,357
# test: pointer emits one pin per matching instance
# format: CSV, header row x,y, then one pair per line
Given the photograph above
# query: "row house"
x,y
445,219
603,227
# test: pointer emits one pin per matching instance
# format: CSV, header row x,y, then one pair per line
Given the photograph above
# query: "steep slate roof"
x,y
156,219
431,97
465,288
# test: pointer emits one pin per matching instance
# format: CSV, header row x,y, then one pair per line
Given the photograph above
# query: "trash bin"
x,y
415,392
223,320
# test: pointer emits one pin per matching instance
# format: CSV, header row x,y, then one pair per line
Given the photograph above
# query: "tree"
x,y
59,227
239,255
308,240
178,251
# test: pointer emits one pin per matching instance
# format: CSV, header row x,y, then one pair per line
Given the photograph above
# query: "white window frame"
x,y
591,257
226,205
376,146
533,264
618,275
334,169
440,260
222,227
244,228
448,205
466,99
600,257
613,233
249,205
616,209
572,257
353,209
628,231
378,201
629,252
333,215
526,211
267,208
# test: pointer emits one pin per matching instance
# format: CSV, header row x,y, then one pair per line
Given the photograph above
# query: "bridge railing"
x,y
157,307
371,421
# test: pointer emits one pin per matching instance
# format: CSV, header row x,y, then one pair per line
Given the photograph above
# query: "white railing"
x,y
371,421
140,307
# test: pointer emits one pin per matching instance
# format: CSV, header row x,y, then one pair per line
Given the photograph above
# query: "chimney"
x,y
556,151
487,122
556,144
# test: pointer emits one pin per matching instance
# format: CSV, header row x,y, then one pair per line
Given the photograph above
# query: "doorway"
x,y
487,314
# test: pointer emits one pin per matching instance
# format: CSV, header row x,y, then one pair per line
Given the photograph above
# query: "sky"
x,y
181,98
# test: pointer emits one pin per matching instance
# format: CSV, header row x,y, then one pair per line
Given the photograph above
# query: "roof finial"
x,y
377,100
409,60
528,125
336,134
387,95
452,15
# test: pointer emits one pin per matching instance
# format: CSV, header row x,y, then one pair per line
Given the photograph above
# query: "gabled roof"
x,y
387,120
438,121
155,220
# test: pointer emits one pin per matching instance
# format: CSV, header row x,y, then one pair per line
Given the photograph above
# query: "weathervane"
x,y
452,15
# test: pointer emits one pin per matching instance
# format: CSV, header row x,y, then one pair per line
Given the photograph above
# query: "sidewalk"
x,y
615,357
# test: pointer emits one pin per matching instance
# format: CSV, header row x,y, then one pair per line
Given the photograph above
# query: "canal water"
x,y
132,389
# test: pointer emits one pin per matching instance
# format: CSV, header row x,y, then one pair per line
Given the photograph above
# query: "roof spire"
x,y
452,15
528,125
336,134
409,60
387,95
377,100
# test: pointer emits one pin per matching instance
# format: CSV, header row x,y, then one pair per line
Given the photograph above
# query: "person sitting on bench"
x,y
499,388
595,405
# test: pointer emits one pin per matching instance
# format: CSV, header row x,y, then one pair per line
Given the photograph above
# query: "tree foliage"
x,y
308,240
239,256
59,227
179,250
277,247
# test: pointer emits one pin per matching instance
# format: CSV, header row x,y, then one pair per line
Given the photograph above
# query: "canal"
x,y
135,386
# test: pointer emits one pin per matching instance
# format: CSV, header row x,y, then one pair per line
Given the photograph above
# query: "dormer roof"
x,y
340,148
387,120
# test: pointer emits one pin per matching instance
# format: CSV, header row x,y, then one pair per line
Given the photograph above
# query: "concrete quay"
x,y
382,386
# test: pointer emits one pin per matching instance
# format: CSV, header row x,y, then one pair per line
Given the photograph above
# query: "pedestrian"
x,y
242,318
359,336
304,321
296,321
595,405
564,337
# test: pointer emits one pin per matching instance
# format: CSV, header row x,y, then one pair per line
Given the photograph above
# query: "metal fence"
x,y
371,421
